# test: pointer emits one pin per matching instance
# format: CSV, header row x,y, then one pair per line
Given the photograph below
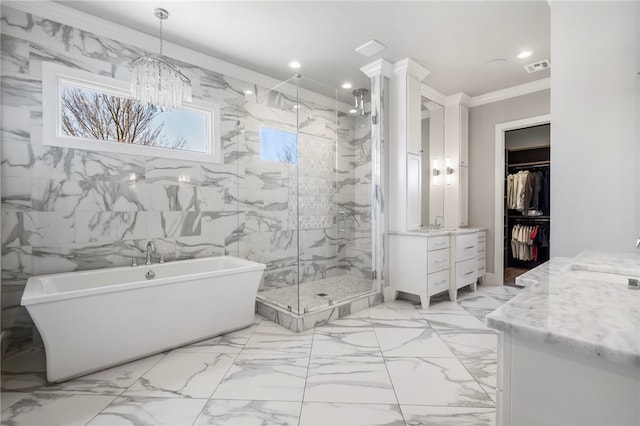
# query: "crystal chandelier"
x,y
158,82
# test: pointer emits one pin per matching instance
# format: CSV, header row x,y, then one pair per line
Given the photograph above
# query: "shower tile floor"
x,y
392,364
317,294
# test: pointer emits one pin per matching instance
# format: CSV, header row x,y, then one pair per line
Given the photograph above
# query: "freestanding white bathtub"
x,y
96,319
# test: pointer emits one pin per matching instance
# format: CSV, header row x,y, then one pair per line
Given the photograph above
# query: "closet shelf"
x,y
517,216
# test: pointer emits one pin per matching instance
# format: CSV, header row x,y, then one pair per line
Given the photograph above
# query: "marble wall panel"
x,y
15,124
14,55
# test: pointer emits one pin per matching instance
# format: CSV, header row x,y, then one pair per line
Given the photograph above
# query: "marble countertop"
x,y
432,232
592,313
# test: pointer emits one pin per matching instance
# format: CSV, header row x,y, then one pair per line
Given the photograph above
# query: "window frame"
x,y
55,76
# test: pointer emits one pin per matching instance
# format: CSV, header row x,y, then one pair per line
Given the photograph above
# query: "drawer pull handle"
x,y
439,243
441,260
469,273
468,248
441,282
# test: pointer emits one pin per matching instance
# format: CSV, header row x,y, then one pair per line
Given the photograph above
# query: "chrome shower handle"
x,y
342,217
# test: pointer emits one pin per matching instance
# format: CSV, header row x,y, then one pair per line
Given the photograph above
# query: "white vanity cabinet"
x,y
419,264
464,268
482,255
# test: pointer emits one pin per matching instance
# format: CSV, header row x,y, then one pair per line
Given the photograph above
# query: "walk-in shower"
x,y
305,192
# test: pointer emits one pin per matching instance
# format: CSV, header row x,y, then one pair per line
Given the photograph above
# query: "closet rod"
x,y
530,164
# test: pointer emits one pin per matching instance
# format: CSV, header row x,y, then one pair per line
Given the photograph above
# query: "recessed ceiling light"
x,y
353,111
248,92
296,106
524,54
346,85
294,64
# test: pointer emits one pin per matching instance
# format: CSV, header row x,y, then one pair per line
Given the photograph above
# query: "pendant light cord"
x,y
160,37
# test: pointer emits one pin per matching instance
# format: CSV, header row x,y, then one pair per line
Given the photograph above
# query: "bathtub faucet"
x,y
151,249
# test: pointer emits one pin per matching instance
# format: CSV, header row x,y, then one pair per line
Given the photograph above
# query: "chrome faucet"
x,y
435,222
151,249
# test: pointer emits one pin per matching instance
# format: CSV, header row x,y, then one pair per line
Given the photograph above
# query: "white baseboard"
x,y
387,294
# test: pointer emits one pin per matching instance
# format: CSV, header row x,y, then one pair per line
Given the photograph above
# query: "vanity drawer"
x,y
482,236
466,247
437,243
437,260
466,272
482,245
482,263
438,282
482,253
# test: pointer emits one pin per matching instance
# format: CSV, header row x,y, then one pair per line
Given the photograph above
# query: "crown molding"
x,y
125,35
432,94
412,68
378,67
511,92
458,99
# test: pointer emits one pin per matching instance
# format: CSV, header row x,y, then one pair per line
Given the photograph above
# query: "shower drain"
x,y
322,294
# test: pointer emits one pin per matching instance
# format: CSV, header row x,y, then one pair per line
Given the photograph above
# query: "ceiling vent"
x,y
538,66
370,48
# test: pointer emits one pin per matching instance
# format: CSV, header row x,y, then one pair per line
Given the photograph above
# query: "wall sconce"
x,y
436,172
359,95
448,170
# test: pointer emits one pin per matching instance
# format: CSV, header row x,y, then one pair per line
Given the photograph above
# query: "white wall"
x,y
594,126
482,128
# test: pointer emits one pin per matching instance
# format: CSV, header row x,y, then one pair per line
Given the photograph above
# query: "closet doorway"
x,y
520,146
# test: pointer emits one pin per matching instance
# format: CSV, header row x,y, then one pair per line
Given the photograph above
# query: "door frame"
x,y
500,161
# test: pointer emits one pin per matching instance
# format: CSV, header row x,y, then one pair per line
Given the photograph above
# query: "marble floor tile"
x,y
264,377
452,320
7,399
24,371
23,382
435,381
411,342
396,314
183,374
270,338
478,300
349,379
249,413
336,414
112,381
484,371
502,293
417,415
471,343
480,314
230,343
345,341
149,411
55,409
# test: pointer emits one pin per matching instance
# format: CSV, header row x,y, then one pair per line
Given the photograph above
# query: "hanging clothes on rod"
x,y
528,240
527,192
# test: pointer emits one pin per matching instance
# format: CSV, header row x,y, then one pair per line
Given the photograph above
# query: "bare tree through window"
x,y
94,115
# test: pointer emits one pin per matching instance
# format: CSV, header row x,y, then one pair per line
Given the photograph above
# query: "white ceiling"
x,y
452,39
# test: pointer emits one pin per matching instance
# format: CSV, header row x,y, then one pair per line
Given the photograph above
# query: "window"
x,y
278,145
88,111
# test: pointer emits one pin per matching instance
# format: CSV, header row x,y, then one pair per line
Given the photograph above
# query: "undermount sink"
x,y
608,276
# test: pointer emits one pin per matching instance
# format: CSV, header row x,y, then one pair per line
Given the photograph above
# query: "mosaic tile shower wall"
x,y
69,209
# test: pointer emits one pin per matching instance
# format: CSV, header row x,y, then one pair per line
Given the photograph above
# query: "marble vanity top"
x,y
431,232
587,312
